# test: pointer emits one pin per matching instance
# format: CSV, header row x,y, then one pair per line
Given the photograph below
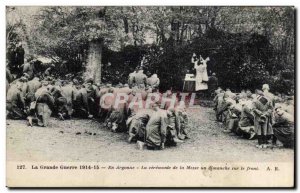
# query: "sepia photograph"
x,y
177,96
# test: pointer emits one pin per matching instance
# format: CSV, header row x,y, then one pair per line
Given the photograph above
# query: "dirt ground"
x,y
61,141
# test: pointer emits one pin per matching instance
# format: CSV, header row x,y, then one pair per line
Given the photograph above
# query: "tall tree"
x,y
74,34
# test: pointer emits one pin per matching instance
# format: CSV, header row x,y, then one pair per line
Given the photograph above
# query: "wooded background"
x,y
248,46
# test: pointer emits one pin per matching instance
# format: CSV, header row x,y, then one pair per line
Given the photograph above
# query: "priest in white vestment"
x,y
201,72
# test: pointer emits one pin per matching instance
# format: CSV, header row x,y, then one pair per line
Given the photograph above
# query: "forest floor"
x,y
87,140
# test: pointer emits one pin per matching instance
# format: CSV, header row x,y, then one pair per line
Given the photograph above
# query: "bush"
x,y
246,58
282,83
241,61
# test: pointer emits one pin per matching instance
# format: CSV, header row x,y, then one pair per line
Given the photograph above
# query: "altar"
x,y
189,83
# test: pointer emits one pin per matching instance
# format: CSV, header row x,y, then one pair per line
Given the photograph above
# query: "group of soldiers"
x,y
261,115
38,98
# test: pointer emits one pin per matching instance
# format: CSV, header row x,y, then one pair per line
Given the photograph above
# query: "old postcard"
x,y
150,96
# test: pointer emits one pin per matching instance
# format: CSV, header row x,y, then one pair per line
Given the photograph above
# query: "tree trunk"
x,y
93,64
126,28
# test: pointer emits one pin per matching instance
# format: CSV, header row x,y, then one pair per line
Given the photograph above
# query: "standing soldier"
x,y
212,83
140,78
12,60
268,94
20,55
153,82
93,96
10,56
131,78
9,78
262,108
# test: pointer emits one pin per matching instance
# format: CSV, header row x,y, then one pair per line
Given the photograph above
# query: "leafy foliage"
x,y
254,45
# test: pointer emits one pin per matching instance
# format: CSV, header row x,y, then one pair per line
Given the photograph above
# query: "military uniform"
x,y
263,108
140,79
15,103
156,129
137,124
81,108
69,92
284,128
44,105
153,81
